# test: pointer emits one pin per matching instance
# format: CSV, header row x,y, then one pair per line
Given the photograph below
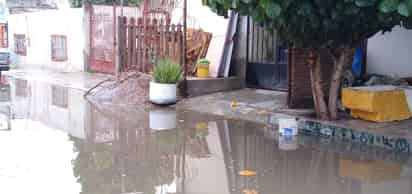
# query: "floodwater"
x,y
53,141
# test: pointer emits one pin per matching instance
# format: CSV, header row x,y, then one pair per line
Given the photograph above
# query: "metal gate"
x,y
102,35
267,60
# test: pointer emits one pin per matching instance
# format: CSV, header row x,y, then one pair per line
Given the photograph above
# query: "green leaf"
x,y
272,9
365,3
404,10
305,9
387,6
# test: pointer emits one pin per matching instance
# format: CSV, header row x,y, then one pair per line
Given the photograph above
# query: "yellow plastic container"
x,y
378,104
203,68
203,72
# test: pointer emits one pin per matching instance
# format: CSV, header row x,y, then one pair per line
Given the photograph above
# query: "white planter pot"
x,y
162,94
162,119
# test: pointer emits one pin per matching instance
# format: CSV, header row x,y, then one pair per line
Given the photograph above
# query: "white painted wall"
x,y
38,28
391,53
202,17
38,107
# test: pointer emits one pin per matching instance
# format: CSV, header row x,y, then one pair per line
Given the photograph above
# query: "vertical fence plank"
x,y
162,38
125,53
122,40
179,48
130,48
139,42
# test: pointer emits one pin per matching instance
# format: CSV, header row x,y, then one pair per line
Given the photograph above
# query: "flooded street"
x,y
54,141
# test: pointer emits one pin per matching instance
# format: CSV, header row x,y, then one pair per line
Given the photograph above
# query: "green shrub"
x,y
166,72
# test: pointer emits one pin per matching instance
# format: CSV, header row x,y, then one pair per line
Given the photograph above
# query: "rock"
x,y
385,80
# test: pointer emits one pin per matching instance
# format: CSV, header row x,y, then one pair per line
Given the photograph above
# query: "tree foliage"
x,y
322,23
336,25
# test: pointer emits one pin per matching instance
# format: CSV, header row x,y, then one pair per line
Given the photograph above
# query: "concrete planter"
x,y
162,94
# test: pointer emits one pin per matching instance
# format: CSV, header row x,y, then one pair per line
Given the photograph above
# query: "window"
x,y
4,42
58,48
20,44
60,96
22,89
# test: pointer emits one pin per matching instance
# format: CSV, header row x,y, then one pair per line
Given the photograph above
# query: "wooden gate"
x,y
144,41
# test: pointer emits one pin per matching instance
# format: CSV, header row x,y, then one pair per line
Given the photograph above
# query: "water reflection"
x,y
5,109
159,151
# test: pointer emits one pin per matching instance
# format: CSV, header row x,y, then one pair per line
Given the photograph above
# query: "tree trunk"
x,y
312,62
315,99
339,65
317,89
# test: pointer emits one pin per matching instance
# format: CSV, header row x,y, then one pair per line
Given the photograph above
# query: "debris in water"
x,y
129,89
233,104
247,173
246,191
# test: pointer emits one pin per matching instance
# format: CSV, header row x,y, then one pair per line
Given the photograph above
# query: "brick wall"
x,y
300,90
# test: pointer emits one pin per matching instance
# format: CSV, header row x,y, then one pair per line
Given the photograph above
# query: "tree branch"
x,y
334,55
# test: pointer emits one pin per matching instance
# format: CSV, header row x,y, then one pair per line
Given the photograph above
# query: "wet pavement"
x,y
76,80
268,107
54,141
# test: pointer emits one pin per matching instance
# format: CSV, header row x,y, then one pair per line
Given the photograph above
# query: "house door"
x,y
267,60
101,38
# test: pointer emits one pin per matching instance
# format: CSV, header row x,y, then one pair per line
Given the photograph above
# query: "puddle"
x,y
57,142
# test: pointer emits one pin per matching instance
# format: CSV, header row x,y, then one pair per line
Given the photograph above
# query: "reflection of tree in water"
x,y
139,165
302,171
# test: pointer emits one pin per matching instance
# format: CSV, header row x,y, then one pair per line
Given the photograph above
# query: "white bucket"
x,y
288,127
288,143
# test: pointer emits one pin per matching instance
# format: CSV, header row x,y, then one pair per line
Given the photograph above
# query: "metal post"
x,y
185,45
91,37
121,7
146,6
116,58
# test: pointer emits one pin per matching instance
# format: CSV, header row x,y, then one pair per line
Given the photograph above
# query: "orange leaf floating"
x,y
247,173
249,191
233,104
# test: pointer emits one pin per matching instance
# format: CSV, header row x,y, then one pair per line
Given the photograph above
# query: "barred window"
x,y
59,48
4,41
60,96
20,44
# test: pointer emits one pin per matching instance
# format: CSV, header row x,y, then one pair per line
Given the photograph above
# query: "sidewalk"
x,y
76,80
268,106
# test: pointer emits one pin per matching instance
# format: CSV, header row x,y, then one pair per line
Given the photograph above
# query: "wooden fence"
x,y
144,41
